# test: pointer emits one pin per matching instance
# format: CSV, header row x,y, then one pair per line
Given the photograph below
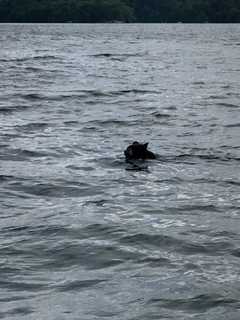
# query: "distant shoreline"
x,y
119,11
125,23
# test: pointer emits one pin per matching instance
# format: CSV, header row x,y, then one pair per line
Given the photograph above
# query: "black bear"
x,y
138,151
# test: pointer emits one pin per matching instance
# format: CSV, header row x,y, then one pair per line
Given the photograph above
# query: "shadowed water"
x,y
81,236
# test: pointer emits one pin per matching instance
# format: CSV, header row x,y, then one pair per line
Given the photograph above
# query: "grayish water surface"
x,y
82,238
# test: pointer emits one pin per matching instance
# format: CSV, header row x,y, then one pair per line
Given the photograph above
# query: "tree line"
x,y
216,11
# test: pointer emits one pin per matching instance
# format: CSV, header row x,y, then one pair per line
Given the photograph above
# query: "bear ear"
x,y
135,142
145,145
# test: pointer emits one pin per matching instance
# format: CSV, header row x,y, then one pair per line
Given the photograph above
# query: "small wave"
x,y
118,55
140,91
8,110
43,57
83,94
100,55
33,69
199,83
171,108
210,157
21,154
109,122
220,234
39,231
78,285
15,298
84,168
15,229
232,125
209,248
227,86
4,178
228,105
231,182
119,92
217,97
45,97
71,122
32,126
31,153
198,303
55,190
179,245
160,115
146,239
156,262
22,286
90,254
197,208
19,311
29,96
102,230
210,181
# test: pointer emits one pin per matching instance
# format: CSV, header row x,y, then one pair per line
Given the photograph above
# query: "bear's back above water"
x,y
138,151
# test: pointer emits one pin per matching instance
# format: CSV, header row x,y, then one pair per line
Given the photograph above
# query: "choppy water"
x,y
82,237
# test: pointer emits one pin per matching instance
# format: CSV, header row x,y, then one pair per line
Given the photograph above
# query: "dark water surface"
x,y
82,238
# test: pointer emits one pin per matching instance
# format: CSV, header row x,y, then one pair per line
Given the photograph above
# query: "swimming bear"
x,y
138,151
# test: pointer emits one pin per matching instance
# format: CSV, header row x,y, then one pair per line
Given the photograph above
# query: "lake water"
x,y
81,237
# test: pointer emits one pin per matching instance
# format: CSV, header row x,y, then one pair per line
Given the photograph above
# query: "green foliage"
x,y
119,10
64,11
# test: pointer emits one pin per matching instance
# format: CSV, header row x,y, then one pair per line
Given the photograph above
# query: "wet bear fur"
x,y
138,151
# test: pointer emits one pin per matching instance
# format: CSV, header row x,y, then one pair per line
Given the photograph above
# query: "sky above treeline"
x,y
220,11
